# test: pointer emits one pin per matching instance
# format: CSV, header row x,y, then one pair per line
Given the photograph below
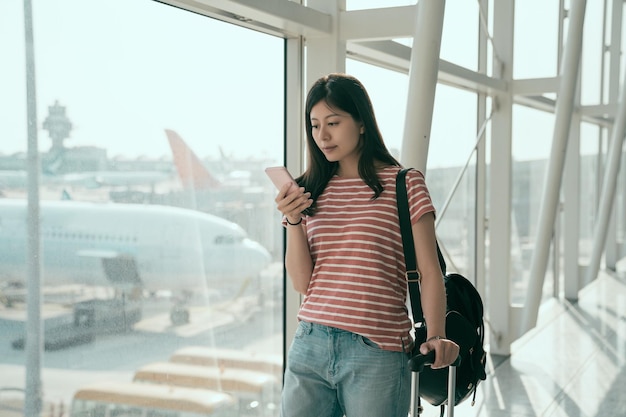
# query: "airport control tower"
x,y
61,159
58,126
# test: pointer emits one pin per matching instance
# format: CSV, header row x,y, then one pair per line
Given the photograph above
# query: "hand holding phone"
x,y
280,176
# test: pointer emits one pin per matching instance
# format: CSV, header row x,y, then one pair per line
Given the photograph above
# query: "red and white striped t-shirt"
x,y
358,281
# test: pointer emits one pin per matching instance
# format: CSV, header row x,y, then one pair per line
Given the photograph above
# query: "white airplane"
x,y
126,245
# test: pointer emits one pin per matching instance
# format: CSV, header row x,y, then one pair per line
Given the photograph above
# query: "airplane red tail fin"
x,y
191,171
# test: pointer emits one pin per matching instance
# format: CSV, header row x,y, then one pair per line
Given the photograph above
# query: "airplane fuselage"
x,y
156,247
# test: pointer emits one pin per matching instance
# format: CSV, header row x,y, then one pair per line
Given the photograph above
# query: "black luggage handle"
x,y
419,361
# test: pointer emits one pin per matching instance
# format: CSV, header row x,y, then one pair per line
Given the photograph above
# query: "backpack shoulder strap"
x,y
412,273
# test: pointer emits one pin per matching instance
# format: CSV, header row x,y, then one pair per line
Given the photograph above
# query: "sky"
x,y
128,69
137,68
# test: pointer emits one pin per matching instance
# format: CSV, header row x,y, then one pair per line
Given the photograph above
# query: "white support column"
x,y
621,244
423,71
325,54
294,159
571,213
609,185
480,208
612,250
572,274
315,57
552,187
500,196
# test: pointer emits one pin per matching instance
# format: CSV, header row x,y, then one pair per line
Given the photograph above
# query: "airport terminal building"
x,y
141,251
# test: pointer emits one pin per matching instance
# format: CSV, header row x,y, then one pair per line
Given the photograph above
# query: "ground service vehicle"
x,y
116,399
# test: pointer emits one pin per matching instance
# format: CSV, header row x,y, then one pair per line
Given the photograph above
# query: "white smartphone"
x,y
280,176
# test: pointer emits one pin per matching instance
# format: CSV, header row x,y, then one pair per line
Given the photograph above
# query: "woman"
x,y
344,254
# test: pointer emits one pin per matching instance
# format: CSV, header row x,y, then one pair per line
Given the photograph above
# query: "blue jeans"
x,y
332,373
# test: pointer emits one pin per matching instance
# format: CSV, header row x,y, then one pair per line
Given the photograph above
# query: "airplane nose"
x,y
258,257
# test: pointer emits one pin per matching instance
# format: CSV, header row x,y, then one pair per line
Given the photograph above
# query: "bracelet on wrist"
x,y
293,224
435,338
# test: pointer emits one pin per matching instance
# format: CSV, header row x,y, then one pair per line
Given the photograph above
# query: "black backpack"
x,y
464,325
464,320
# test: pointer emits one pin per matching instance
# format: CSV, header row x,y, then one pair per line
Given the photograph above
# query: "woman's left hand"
x,y
446,351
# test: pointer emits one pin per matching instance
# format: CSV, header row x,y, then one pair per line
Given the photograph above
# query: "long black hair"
x,y
346,93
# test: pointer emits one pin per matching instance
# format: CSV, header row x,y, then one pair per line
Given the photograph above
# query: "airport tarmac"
x,y
239,324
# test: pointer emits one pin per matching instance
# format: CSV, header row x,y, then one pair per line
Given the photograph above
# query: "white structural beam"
x,y
500,173
461,77
278,17
385,54
422,83
604,111
397,57
526,92
377,24
551,193
535,86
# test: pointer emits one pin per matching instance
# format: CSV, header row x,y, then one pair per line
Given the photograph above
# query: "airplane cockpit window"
x,y
154,209
228,239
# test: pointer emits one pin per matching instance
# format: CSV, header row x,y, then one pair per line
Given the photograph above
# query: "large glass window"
x,y
453,136
592,54
388,92
159,231
459,39
536,39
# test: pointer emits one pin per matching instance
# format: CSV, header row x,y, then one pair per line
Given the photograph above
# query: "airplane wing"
x,y
119,268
